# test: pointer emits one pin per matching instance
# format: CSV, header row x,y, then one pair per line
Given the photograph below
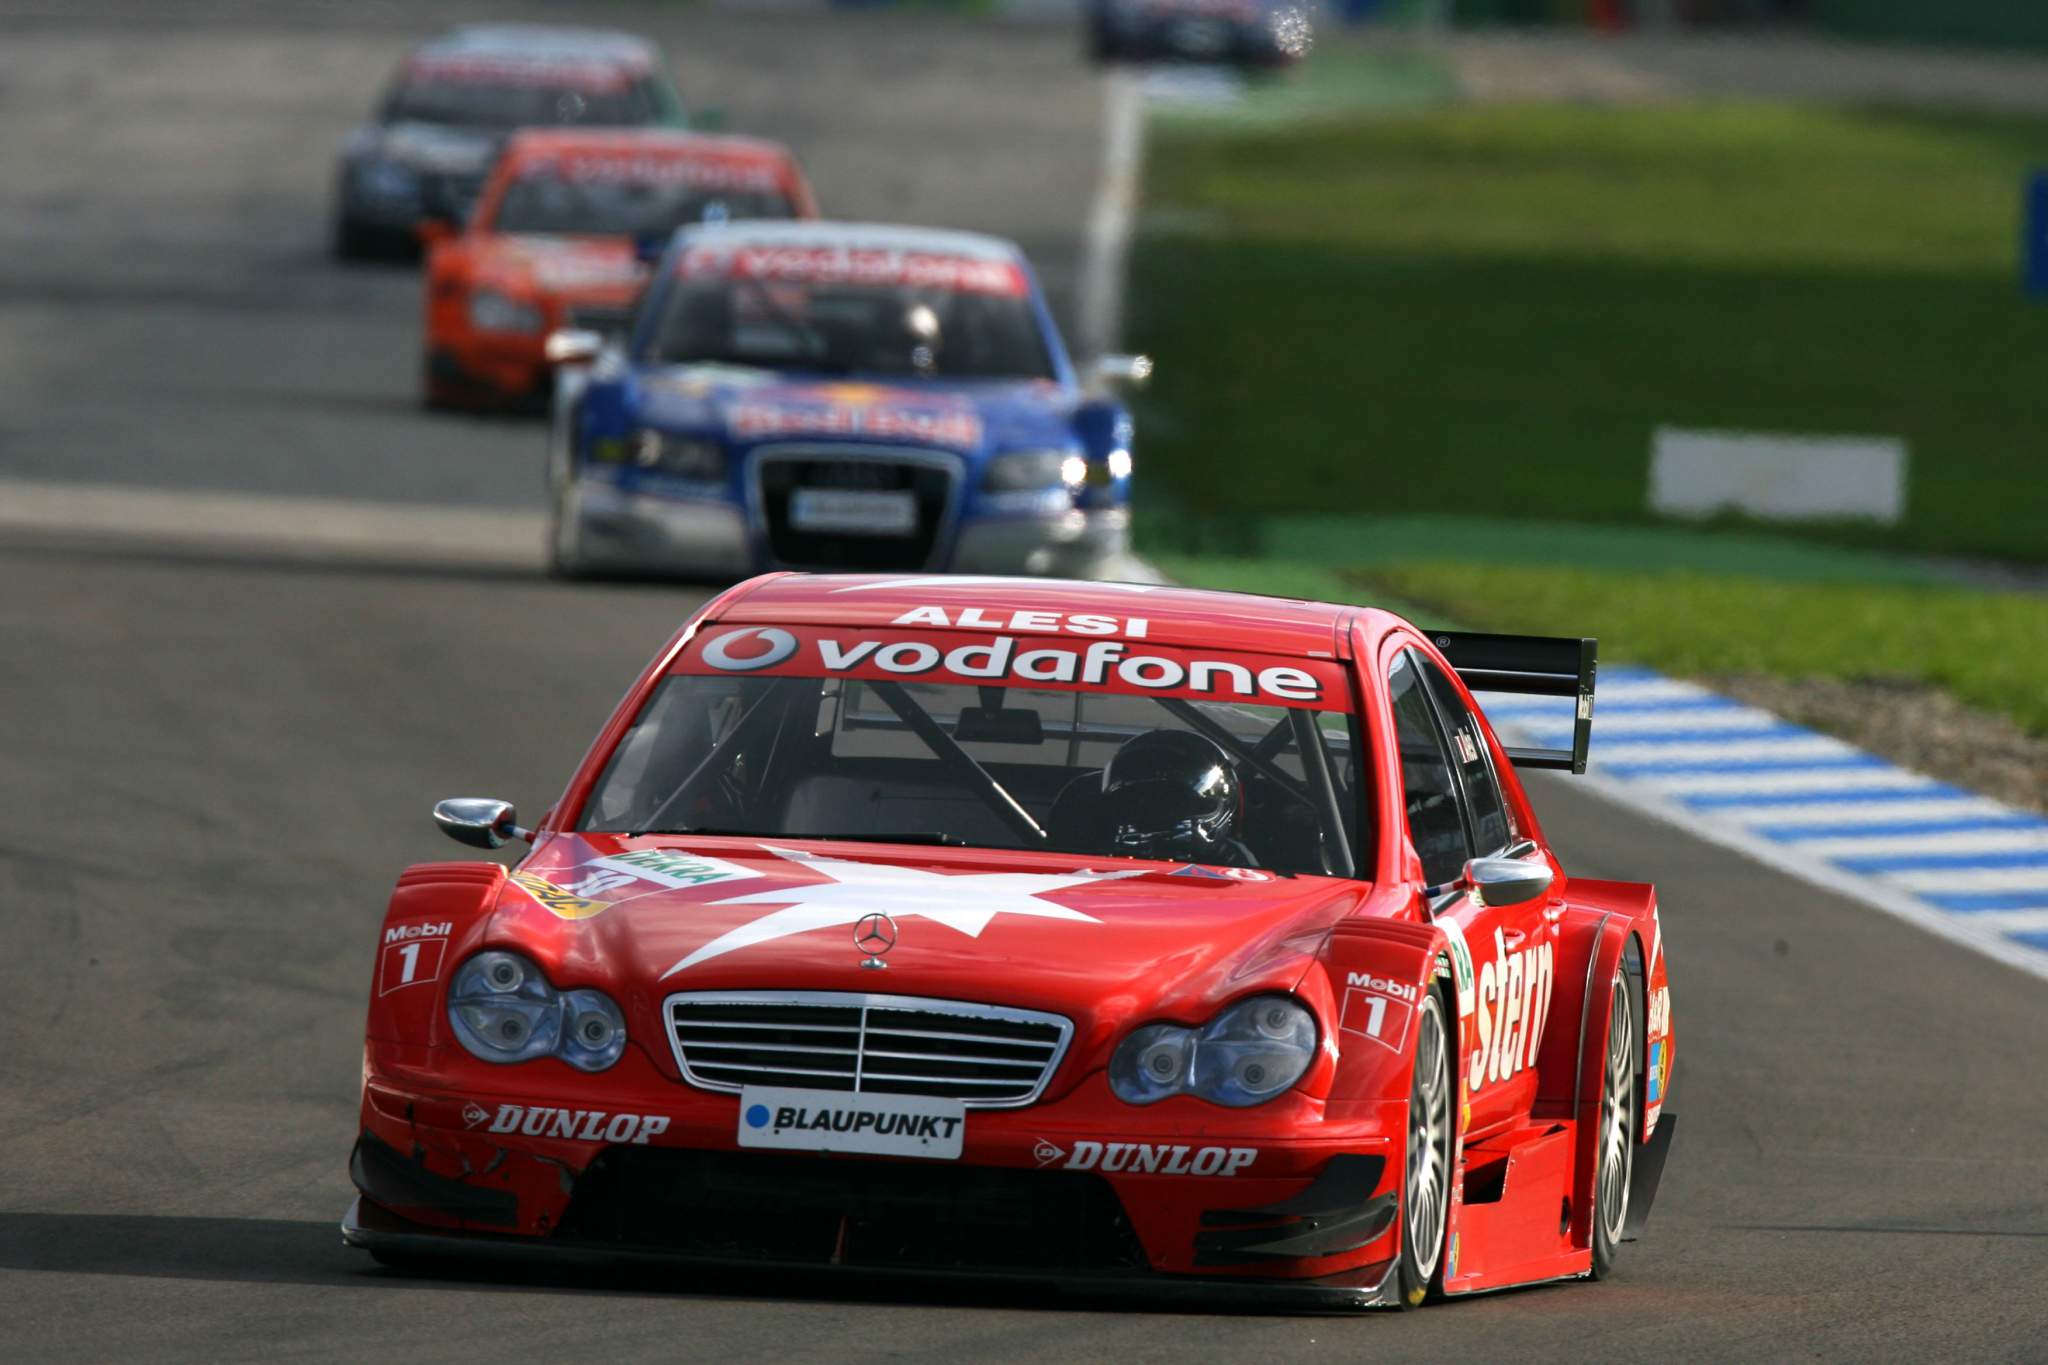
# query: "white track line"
x,y
1983,932
1848,827
295,526
1907,808
1792,780
1110,216
1907,845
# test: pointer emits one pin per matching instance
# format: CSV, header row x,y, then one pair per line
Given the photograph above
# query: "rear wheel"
x,y
1425,1192
1617,1139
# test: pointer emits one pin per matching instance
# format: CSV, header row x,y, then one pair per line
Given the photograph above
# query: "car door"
x,y
1513,948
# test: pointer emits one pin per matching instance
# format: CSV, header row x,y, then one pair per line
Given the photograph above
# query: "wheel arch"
x,y
1412,959
1614,941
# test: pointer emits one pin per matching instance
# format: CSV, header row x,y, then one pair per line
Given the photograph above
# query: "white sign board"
x,y
1780,478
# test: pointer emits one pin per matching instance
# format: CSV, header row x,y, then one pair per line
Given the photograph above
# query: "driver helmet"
x,y
1170,793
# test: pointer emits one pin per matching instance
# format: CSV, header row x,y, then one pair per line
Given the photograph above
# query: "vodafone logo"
x,y
729,652
1026,660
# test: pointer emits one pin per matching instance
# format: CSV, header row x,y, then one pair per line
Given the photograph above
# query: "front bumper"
x,y
627,530
369,1227
508,374
618,530
1082,1187
1082,543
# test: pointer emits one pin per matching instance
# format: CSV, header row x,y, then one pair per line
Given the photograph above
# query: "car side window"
x,y
1434,821
1491,829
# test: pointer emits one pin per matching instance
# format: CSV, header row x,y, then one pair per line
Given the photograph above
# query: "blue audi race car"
x,y
805,394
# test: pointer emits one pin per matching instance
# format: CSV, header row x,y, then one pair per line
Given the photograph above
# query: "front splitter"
x,y
372,1228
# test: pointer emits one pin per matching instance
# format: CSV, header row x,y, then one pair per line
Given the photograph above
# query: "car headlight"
x,y
1246,1055
491,312
688,457
504,1010
1031,470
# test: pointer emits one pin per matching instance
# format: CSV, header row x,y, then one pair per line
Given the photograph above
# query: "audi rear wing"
x,y
1535,665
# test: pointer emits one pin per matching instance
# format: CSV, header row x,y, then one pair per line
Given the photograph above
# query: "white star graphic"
x,y
965,902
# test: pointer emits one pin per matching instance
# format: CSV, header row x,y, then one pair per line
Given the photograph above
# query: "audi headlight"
x,y
1031,470
492,312
1246,1055
505,1010
688,457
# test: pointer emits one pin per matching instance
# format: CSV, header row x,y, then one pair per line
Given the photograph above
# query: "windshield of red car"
x,y
886,314
836,757
549,203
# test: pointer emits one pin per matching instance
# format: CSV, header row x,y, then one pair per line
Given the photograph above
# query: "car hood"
x,y
1108,942
749,406
578,267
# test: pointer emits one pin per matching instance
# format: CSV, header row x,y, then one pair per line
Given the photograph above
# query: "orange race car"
x,y
558,238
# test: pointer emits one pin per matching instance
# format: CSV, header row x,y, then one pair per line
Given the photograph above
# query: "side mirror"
x,y
479,821
573,346
1134,370
431,230
1506,881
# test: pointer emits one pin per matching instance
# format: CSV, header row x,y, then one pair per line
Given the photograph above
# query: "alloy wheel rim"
x,y
1617,1109
1428,1151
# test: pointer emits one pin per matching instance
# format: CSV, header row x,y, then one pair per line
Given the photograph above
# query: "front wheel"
x,y
1425,1193
1617,1141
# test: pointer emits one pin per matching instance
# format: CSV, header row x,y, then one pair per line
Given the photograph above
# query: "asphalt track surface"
x,y
214,764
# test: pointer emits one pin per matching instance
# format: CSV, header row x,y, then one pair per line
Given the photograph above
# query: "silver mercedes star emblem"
x,y
875,935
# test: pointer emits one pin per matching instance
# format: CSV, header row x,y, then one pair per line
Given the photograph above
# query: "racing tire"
x,y
359,241
352,242
1615,1146
1425,1188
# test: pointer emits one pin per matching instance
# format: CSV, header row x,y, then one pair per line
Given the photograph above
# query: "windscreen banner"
x,y
1070,663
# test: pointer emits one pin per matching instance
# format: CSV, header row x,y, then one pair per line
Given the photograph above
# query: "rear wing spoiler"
x,y
1536,665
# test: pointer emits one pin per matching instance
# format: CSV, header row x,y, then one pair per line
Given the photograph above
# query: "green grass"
x,y
1347,75
1987,648
1487,310
1331,545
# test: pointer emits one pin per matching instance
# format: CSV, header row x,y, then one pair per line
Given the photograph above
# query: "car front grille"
x,y
927,475
985,1056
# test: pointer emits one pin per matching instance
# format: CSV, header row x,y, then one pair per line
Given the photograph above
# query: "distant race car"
x,y
1253,33
1096,935
453,102
836,395
554,243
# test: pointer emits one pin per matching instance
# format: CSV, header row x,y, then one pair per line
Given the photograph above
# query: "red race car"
x,y
1105,936
559,240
